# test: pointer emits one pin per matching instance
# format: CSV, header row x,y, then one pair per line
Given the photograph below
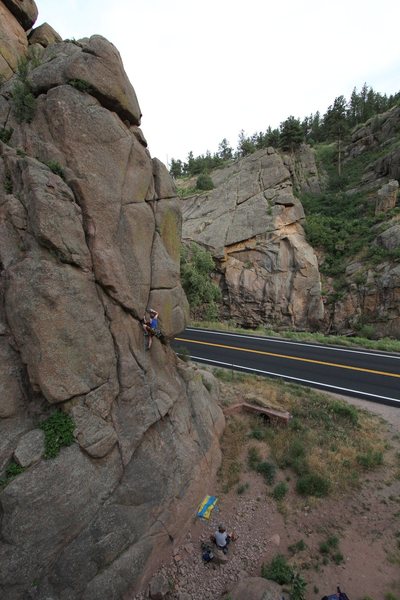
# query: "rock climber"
x,y
150,326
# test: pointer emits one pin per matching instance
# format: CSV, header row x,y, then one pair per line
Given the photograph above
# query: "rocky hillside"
x,y
90,231
343,276
251,222
362,280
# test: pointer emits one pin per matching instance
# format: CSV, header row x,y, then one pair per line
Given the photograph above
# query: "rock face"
x,y
251,223
387,197
373,294
89,237
373,291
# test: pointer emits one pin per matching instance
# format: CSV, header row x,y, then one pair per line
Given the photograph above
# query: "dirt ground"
x,y
366,522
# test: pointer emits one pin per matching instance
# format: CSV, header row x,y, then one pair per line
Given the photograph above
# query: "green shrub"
x,y
296,425
81,85
242,488
345,411
5,134
330,548
8,184
204,182
14,469
337,558
278,570
324,548
268,470
367,331
297,547
24,102
59,431
183,353
253,458
370,459
295,458
298,591
333,541
210,311
280,491
55,167
390,596
197,266
312,484
257,433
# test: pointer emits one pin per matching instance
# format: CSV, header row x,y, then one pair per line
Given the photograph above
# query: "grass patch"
x,y
232,443
58,431
229,375
386,344
322,446
370,459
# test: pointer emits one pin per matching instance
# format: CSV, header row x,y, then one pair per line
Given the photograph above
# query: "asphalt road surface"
x,y
372,375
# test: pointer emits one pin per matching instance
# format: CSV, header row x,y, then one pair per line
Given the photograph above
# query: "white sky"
x,y
205,69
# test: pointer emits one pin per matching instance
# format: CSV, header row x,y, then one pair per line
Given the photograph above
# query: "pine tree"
x,y
176,168
291,134
245,145
224,150
336,125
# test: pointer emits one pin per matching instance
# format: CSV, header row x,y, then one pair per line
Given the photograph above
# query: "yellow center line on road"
x,y
308,360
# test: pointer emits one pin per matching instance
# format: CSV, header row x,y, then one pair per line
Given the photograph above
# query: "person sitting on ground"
x,y
150,327
222,539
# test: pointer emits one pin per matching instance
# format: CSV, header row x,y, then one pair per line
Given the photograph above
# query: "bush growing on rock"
x,y
59,431
204,182
196,267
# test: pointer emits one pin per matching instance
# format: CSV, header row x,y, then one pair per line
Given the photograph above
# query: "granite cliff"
x,y
251,222
90,231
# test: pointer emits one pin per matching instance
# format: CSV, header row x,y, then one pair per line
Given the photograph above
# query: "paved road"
x,y
372,375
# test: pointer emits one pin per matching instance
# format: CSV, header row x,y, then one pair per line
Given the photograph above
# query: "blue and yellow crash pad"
x,y
206,506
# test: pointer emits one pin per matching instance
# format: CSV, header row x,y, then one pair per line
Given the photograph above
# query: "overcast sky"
x,y
204,70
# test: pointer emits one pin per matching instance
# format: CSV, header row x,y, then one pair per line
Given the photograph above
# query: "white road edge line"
x,y
280,341
317,383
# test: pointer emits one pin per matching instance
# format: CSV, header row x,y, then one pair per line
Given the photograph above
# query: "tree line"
x,y
333,126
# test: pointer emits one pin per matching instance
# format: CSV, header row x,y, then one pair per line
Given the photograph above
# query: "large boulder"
x,y
13,43
90,229
25,11
44,35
